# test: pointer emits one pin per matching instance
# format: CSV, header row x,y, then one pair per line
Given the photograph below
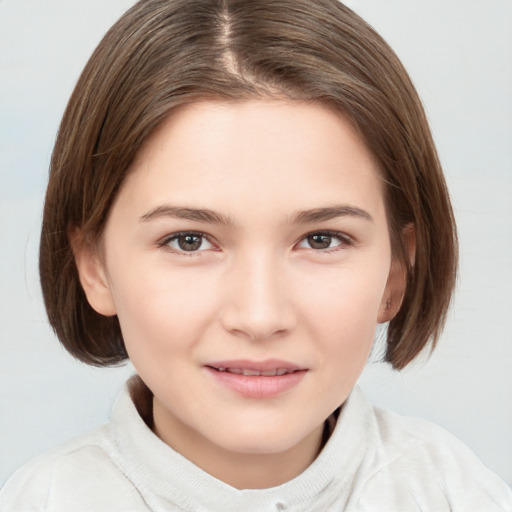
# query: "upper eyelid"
x,y
345,242
339,234
344,237
165,243
173,236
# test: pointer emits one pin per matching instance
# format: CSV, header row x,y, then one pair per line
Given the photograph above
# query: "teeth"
x,y
251,372
255,373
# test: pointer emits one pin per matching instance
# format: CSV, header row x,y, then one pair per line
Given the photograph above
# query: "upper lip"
x,y
267,365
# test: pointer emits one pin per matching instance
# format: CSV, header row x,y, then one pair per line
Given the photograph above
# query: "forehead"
x,y
273,153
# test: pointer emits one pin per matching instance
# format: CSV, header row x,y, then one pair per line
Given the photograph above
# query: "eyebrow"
x,y
179,212
213,217
328,213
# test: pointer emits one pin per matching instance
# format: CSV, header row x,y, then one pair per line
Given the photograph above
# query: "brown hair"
x,y
164,53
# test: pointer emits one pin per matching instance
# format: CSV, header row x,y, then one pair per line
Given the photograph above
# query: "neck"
x,y
239,470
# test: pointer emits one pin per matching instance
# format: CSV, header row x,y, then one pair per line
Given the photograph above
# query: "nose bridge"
x,y
257,302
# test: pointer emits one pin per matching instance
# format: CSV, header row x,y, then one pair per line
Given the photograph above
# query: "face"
x,y
248,259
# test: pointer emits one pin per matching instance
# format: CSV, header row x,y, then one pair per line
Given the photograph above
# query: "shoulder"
x,y
421,465
78,475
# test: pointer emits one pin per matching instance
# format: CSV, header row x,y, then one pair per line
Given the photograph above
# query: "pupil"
x,y
189,242
319,241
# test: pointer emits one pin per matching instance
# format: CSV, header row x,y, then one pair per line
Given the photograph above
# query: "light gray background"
x,y
459,53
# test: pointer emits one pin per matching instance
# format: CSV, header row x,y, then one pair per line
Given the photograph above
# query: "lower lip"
x,y
258,386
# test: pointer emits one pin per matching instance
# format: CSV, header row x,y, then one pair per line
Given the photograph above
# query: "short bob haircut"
x,y
165,53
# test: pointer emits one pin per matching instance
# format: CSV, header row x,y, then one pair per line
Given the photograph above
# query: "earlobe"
x,y
393,294
91,272
397,279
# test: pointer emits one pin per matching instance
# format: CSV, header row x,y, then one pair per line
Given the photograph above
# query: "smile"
x,y
256,373
256,379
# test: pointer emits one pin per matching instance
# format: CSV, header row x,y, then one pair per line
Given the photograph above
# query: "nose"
x,y
257,302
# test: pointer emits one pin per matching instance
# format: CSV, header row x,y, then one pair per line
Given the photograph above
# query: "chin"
x,y
258,439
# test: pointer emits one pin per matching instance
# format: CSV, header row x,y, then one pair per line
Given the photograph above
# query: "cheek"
x,y
342,317
344,299
161,309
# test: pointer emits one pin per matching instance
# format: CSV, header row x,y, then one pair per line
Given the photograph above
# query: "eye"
x,y
324,240
188,242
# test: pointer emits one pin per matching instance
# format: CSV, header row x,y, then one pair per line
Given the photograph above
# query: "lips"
x,y
255,373
267,368
253,379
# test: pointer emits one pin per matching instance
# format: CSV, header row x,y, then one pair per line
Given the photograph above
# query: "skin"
x,y
256,287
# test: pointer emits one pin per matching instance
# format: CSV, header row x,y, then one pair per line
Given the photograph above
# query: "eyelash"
x,y
344,241
165,243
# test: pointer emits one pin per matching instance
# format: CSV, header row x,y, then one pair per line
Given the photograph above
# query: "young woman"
x,y
240,192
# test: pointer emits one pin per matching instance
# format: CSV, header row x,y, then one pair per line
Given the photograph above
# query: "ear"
x,y
91,271
397,278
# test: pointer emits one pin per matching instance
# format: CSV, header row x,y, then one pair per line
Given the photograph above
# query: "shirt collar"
x,y
165,477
